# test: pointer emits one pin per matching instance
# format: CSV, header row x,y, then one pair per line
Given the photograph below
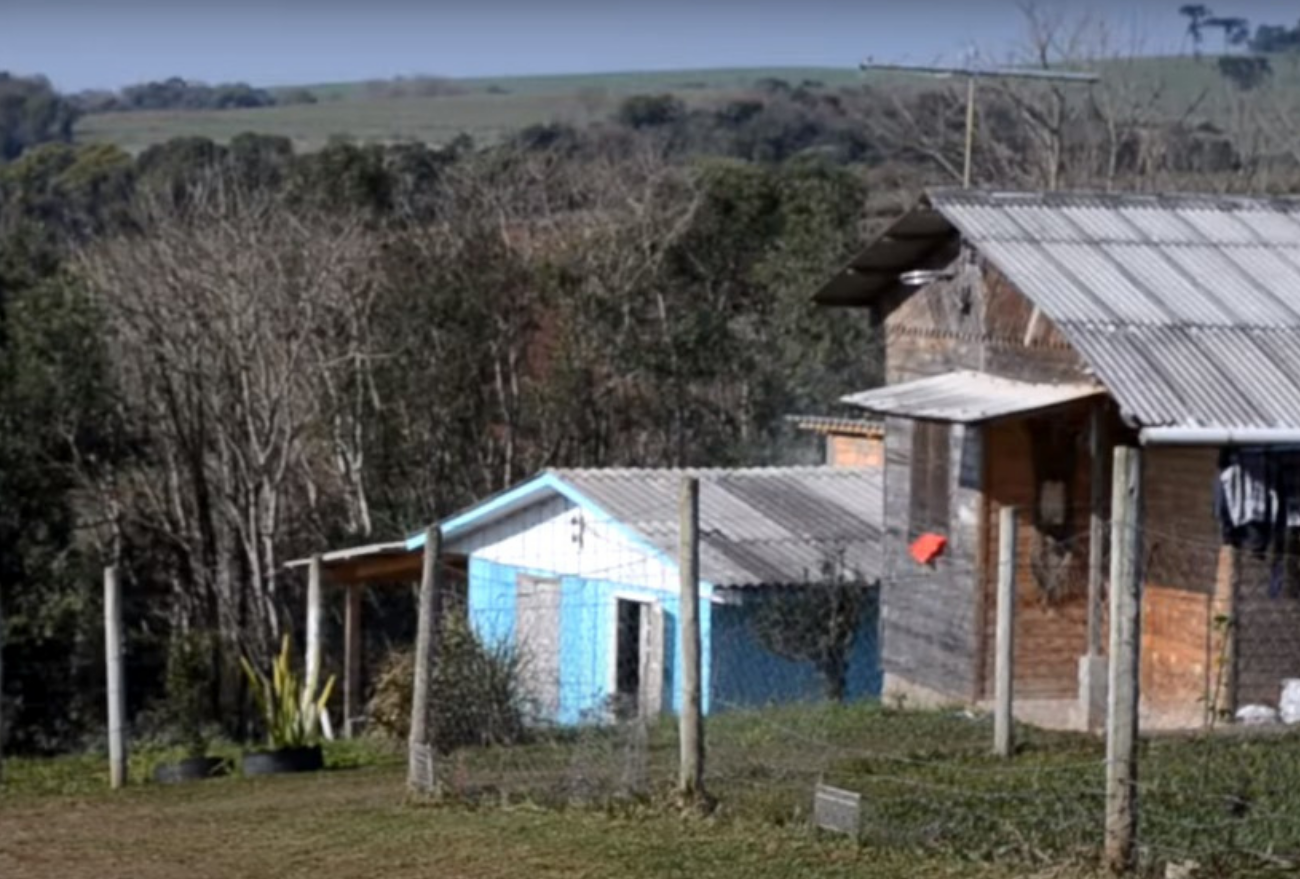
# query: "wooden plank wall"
x,y
928,613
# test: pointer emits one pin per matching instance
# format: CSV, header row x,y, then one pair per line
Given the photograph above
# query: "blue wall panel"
x,y
587,620
746,674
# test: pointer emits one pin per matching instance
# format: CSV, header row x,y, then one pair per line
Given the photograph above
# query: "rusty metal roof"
x,y
758,526
968,397
1186,307
831,424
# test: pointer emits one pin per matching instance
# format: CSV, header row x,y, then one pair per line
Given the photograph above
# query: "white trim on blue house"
x,y
509,501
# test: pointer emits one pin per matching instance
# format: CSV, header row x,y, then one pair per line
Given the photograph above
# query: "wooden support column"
x,y
420,776
2,686
351,658
1092,665
1096,528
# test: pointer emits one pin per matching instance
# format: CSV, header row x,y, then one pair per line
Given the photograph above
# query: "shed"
x,y
578,569
1026,335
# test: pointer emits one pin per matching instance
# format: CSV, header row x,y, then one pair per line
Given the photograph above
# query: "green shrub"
x,y
476,694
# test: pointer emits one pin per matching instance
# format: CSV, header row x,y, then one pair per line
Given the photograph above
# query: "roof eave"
x,y
921,238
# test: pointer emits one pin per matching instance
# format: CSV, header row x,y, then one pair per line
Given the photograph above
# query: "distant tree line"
x,y
174,93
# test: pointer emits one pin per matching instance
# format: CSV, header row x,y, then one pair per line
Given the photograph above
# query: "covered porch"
x,y
346,577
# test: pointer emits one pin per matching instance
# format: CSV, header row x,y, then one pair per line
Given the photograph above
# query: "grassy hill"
x,y
437,110
484,108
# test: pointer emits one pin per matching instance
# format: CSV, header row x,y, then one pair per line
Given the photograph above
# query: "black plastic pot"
x,y
191,769
308,759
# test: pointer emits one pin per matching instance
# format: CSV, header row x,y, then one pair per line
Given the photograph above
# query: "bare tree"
x,y
235,321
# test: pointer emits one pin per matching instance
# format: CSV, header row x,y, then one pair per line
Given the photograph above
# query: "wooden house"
x,y
1026,335
577,570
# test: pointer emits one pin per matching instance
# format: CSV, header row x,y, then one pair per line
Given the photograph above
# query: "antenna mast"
x,y
972,74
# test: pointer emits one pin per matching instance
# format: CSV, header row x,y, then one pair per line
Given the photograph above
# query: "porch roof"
x,y
968,397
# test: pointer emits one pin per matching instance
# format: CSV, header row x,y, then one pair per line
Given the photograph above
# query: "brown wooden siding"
x,y
928,612
962,325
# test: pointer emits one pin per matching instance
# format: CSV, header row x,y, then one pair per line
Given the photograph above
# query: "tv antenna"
x,y
972,74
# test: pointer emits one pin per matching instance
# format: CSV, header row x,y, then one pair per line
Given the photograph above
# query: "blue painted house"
x,y
578,569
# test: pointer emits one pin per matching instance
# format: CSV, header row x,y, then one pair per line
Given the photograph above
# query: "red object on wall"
x,y
928,547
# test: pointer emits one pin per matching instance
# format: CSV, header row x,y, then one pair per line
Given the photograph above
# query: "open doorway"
x,y
637,678
628,649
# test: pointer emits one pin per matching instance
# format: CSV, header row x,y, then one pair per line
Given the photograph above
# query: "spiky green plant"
x,y
291,713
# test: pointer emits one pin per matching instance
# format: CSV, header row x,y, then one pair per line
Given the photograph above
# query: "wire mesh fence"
x,y
560,684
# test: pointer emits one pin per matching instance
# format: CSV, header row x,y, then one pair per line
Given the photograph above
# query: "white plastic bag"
x,y
1256,715
1289,707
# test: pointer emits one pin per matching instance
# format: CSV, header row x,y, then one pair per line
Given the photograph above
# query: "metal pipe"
x,y
970,133
982,73
1219,436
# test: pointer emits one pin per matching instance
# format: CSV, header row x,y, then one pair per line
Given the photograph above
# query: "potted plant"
x,y
187,679
292,716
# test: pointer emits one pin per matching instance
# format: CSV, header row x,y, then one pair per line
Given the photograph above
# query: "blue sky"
x,y
110,43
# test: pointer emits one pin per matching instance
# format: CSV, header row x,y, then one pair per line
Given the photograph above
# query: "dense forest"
x,y
217,357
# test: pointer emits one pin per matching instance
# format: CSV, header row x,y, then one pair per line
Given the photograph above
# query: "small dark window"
x,y
931,460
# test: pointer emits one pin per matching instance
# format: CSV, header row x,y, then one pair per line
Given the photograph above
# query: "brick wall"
x,y
847,450
1051,634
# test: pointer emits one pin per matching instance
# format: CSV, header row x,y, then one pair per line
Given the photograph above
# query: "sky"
x,y
82,44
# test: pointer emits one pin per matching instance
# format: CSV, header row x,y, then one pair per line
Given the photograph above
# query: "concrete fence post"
x,y
1004,670
113,665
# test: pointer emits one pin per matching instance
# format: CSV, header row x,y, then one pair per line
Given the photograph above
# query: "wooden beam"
x,y
1035,323
420,775
352,643
402,568
1097,444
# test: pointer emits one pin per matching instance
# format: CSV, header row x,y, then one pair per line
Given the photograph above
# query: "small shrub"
x,y
189,681
476,692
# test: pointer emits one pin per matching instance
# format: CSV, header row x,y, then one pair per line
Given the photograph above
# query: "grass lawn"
x,y
935,803
356,823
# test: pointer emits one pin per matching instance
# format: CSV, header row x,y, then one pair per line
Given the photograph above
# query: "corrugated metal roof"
x,y
1186,307
830,424
761,526
968,397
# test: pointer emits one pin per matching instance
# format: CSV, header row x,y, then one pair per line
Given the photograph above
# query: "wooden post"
x,y
1125,661
1096,529
1092,668
116,679
420,771
1004,683
2,685
351,658
691,782
311,680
